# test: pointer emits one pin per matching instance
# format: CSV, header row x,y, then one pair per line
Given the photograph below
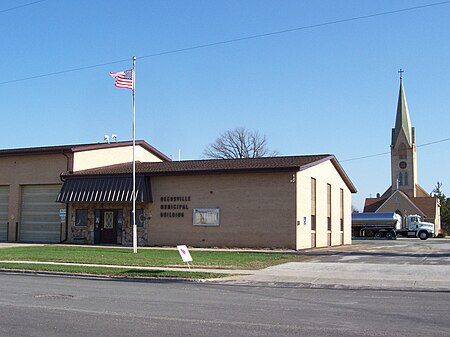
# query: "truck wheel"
x,y
377,235
391,235
423,235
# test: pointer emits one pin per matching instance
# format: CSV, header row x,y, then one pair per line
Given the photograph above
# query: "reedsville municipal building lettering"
x,y
176,205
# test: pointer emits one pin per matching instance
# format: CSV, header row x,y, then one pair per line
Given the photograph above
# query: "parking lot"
x,y
403,264
401,251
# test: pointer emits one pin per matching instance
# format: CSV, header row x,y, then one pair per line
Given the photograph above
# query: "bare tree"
x,y
239,143
355,209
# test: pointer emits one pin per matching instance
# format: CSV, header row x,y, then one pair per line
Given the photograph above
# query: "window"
x,y
119,214
313,204
329,207
97,217
81,217
140,218
405,175
342,209
400,179
313,222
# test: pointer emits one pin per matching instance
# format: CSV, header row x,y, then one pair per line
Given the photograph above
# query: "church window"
x,y
402,151
405,176
400,179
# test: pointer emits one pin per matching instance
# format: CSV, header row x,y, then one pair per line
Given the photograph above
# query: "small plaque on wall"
x,y
206,217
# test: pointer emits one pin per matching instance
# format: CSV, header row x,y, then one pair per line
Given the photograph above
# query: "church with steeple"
x,y
405,196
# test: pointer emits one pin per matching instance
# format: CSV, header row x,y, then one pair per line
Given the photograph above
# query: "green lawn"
x,y
145,257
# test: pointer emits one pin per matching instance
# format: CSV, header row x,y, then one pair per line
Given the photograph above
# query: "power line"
x,y
384,153
251,37
245,38
435,142
365,157
21,6
65,71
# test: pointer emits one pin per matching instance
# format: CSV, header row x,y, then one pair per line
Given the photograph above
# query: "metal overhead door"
x,y
40,221
4,197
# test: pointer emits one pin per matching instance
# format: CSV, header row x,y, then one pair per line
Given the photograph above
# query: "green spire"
x,y
402,120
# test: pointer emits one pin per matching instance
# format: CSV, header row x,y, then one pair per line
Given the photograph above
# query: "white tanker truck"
x,y
389,226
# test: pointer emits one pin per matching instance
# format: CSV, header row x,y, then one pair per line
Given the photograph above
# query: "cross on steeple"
x,y
401,73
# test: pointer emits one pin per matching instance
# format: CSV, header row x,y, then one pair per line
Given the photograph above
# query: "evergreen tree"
x,y
445,207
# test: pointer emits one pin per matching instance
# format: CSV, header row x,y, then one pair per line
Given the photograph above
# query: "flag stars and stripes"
x,y
124,79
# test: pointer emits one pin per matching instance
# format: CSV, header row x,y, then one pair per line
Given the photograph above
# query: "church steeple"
x,y
403,149
402,119
405,196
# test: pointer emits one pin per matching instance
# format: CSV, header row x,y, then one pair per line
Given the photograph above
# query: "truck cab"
x,y
418,228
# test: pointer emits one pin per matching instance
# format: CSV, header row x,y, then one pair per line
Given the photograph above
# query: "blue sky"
x,y
328,89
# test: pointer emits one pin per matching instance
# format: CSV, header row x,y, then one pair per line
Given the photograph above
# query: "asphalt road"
x,y
33,305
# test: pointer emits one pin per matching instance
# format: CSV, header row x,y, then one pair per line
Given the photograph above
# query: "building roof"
x,y
79,148
215,166
402,119
372,204
427,205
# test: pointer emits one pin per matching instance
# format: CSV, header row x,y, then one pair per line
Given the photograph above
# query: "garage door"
x,y
4,196
40,221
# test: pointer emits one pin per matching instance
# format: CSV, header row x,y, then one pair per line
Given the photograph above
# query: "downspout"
x,y
69,169
69,166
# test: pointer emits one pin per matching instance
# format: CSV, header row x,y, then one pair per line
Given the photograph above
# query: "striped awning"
x,y
105,189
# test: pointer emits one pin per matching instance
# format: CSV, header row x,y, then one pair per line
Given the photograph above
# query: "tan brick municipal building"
x,y
82,194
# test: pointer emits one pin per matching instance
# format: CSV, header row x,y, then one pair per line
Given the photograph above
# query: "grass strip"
x,y
111,272
146,257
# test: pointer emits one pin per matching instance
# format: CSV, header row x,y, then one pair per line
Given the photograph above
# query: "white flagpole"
x,y
134,161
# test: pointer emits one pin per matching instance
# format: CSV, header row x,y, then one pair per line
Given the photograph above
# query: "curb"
x,y
222,282
102,277
302,285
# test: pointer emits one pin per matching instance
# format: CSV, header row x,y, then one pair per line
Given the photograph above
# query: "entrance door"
x,y
108,225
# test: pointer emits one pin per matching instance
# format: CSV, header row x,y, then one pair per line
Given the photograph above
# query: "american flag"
x,y
124,79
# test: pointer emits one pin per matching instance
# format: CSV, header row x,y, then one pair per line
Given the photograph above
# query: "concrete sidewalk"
x,y
351,276
323,275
